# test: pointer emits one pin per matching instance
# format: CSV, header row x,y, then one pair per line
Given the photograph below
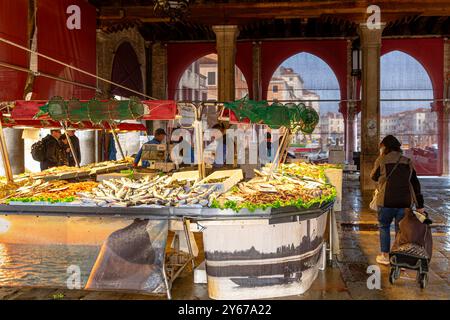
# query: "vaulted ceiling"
x,y
275,19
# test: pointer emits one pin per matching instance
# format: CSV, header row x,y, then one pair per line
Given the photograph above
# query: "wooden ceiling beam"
x,y
235,11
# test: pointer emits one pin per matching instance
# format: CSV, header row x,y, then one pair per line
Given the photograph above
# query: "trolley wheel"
x,y
423,280
394,274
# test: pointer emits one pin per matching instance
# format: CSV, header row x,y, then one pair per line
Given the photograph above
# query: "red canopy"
x,y
159,109
40,124
23,113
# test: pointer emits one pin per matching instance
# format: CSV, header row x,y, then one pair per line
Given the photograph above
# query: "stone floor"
x,y
347,278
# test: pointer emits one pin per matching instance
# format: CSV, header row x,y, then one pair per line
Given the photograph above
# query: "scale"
x,y
155,154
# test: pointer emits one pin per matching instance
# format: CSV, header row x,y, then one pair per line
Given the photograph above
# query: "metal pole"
x,y
4,152
72,150
285,146
117,139
278,154
198,133
186,227
166,280
331,234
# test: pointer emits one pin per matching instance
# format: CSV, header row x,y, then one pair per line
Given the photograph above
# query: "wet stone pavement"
x,y
347,278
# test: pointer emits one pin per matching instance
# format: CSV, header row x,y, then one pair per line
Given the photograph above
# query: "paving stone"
x,y
359,291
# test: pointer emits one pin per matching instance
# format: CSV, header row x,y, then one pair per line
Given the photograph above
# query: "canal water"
x,y
44,265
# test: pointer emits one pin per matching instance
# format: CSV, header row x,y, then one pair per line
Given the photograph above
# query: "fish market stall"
x,y
264,237
250,230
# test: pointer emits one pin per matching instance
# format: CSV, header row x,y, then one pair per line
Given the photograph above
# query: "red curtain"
x,y
13,27
75,47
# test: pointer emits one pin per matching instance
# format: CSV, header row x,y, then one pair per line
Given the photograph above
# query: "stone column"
x,y
15,148
446,140
446,112
350,130
370,113
159,75
256,71
226,51
104,63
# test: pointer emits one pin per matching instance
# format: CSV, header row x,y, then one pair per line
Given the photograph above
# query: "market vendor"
x,y
160,134
76,147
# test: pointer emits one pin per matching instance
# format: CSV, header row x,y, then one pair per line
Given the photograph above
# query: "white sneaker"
x,y
382,259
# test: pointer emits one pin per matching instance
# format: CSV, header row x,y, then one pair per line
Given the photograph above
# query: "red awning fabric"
x,y
161,109
13,27
76,47
25,112
42,124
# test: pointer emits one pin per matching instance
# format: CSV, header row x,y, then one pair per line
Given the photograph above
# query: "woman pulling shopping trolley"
x,y
398,199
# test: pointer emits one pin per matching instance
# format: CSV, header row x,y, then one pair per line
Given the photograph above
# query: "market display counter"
x,y
163,213
249,255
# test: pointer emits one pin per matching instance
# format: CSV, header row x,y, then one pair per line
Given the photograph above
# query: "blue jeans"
x,y
385,217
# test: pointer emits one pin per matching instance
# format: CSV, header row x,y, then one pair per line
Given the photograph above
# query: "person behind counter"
x,y
160,134
76,146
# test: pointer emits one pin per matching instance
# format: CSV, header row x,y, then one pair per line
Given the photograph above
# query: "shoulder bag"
x,y
374,203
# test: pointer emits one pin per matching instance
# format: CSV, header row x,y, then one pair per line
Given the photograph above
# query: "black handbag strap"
x,y
395,167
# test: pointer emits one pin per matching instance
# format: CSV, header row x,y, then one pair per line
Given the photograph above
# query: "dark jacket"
x,y
403,184
54,153
76,146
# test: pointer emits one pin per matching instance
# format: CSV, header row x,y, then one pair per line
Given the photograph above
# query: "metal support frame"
x,y
116,138
72,150
285,139
171,270
330,234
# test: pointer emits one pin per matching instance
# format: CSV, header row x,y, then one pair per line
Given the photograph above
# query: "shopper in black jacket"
x,y
54,153
76,146
398,188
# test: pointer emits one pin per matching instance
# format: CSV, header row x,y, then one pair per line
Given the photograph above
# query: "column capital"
x,y
370,35
230,30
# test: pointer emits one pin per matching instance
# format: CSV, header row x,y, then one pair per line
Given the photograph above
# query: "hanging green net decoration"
x,y
310,119
137,108
57,109
95,111
76,110
276,115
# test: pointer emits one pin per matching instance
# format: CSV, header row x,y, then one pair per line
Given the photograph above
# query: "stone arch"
x,y
405,82
126,71
107,45
198,81
332,52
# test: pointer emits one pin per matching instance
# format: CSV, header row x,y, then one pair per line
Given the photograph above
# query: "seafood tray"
x,y
228,178
72,175
112,175
164,166
191,176
109,168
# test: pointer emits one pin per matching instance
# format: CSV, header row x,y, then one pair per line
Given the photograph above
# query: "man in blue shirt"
x,y
160,134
